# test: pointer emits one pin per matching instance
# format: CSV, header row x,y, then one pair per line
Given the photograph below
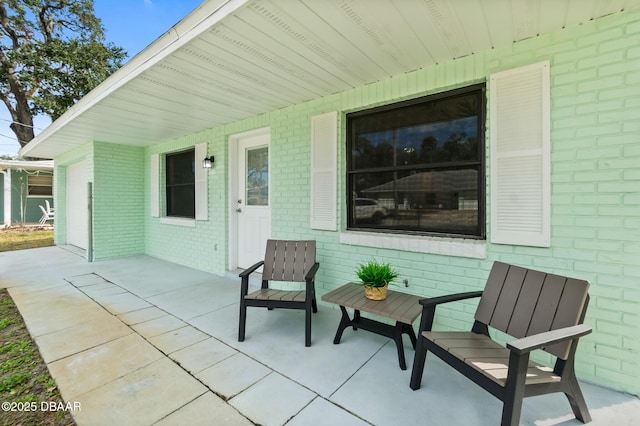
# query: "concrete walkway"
x,y
140,341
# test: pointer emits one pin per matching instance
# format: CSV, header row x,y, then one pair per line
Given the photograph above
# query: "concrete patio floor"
x,y
141,341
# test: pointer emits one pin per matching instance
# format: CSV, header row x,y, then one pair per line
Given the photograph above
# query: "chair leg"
x,y
242,323
576,400
307,326
514,391
511,410
314,305
418,364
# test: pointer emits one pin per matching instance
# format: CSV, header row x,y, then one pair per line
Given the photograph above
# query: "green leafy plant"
x,y
375,274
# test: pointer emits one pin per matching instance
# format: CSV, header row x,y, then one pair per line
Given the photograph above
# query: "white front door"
x,y
77,205
252,202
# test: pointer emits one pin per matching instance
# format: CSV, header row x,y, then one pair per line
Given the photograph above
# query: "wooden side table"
x,y
401,307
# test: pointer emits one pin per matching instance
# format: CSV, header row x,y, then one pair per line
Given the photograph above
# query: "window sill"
x,y
459,247
178,221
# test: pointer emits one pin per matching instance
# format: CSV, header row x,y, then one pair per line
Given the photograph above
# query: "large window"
x,y
418,166
180,185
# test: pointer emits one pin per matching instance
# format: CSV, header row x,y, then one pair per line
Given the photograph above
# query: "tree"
x,y
52,53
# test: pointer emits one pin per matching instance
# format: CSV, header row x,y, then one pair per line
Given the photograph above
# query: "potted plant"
x,y
375,277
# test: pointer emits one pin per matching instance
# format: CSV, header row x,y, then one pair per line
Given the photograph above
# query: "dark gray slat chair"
x,y
542,311
290,261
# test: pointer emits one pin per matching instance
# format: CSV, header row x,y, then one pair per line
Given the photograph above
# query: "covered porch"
x,y
145,341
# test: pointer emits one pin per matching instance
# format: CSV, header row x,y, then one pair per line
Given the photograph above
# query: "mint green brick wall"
x,y
117,174
59,200
118,200
594,223
595,155
203,246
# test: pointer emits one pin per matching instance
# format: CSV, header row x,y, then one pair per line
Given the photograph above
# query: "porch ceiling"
x,y
233,59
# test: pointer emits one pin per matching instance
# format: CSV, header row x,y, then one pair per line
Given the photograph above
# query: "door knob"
x,y
239,210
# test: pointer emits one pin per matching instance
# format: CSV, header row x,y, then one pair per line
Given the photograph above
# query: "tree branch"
x,y
5,100
6,27
45,23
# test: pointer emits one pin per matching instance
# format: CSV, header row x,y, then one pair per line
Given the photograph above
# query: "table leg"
x,y
394,332
345,322
397,337
412,335
399,329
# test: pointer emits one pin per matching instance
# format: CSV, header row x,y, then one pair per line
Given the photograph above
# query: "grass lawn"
x,y
24,237
28,394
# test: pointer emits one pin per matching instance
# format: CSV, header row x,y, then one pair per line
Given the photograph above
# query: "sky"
x,y
131,24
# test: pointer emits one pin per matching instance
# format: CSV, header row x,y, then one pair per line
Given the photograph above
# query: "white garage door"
x,y
77,205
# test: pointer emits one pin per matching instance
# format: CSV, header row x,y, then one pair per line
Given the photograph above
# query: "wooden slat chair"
x,y
542,311
292,261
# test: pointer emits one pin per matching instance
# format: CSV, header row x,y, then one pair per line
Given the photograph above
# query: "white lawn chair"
x,y
46,215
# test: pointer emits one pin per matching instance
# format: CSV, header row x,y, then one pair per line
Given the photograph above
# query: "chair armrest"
x,y
251,270
429,306
244,278
433,301
537,341
312,272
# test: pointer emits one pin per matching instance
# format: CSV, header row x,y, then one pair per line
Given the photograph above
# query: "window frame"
x,y
167,193
480,234
30,185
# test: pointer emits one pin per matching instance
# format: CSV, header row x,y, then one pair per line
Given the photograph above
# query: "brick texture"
x,y
118,194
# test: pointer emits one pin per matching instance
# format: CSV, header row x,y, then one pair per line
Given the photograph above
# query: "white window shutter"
x,y
520,156
202,177
154,182
324,164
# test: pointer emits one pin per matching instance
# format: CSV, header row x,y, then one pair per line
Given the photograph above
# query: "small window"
x,y
180,184
418,166
40,185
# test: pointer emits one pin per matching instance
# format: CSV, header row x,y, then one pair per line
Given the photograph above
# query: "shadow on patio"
x,y
142,341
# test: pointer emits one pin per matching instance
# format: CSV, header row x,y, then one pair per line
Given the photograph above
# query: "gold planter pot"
x,y
376,293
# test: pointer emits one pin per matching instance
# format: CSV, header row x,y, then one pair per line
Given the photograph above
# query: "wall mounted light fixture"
x,y
208,162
